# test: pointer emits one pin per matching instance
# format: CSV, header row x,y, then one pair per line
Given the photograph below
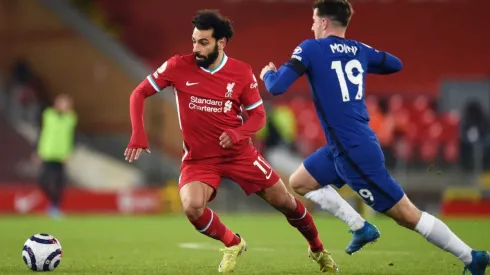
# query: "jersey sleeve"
x,y
164,76
301,58
278,82
380,62
250,96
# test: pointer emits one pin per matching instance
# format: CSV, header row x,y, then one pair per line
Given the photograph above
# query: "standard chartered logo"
x,y
228,106
210,105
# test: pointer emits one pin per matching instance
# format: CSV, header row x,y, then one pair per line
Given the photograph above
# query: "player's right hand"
x,y
268,67
132,154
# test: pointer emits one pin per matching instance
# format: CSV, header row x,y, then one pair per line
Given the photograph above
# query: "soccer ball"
x,y
42,252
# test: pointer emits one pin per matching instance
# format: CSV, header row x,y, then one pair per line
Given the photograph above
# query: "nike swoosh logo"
x,y
269,176
26,203
191,83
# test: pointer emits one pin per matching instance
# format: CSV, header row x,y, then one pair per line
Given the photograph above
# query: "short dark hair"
x,y
337,10
212,19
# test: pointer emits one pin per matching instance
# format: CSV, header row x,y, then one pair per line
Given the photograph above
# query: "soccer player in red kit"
x,y
210,89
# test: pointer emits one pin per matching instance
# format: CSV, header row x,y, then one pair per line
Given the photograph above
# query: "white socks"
x,y
433,229
437,233
330,201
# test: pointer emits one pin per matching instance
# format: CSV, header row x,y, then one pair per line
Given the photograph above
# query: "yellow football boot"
x,y
324,260
230,255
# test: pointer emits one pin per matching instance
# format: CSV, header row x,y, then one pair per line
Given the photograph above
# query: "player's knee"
x,y
405,213
193,208
409,220
295,183
285,204
301,182
194,197
279,197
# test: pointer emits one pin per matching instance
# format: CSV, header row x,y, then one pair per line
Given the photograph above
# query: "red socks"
x,y
303,221
210,225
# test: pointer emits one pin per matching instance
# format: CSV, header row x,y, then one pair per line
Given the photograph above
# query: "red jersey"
x,y
208,102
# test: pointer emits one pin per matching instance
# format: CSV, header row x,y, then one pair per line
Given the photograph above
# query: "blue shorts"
x,y
361,167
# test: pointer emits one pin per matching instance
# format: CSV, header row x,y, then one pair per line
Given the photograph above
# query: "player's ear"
x,y
325,23
221,43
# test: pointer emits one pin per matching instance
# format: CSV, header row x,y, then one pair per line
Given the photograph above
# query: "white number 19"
x,y
349,71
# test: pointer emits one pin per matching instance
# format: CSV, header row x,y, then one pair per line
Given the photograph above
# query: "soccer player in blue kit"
x,y
336,69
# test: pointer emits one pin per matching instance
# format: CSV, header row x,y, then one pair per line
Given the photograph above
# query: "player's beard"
x,y
207,60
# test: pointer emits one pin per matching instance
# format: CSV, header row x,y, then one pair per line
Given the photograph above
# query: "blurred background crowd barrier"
x,y
432,119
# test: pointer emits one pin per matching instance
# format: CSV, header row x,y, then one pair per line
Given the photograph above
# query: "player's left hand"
x,y
225,140
269,67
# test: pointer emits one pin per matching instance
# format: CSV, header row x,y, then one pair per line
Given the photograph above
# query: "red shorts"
x,y
249,169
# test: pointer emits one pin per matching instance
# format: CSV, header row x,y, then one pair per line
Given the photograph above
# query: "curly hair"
x,y
211,19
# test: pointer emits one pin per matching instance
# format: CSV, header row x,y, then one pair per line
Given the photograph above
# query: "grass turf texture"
x,y
170,245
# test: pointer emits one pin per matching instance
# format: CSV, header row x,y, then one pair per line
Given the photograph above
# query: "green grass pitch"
x,y
169,245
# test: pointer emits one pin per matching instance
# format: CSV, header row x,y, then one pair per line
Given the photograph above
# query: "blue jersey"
x,y
336,69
